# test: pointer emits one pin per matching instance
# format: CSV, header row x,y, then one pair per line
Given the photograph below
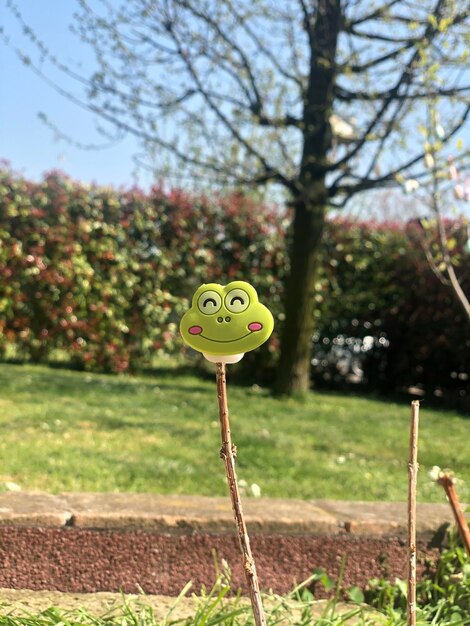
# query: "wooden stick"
x,y
228,453
412,481
448,482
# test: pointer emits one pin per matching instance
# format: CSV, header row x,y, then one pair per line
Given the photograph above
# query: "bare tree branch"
x,y
345,95
365,184
404,79
269,172
379,12
361,68
263,49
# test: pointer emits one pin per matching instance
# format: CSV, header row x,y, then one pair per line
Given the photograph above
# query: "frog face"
x,y
226,320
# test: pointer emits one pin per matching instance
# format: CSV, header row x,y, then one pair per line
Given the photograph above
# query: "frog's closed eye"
x,y
237,300
209,302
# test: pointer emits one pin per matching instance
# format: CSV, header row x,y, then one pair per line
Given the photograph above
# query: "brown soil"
x,y
21,602
78,561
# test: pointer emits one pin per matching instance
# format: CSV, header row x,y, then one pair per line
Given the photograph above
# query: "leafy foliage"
x,y
443,593
103,276
380,302
81,273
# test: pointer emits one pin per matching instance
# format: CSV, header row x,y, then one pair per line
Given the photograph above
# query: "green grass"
x,y
212,610
72,431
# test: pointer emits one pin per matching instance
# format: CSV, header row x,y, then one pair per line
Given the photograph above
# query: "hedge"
x,y
377,285
103,275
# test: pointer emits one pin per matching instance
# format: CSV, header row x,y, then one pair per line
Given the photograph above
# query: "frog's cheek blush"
x,y
255,326
195,330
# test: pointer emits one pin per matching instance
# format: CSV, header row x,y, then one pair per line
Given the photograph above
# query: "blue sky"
x,y
25,140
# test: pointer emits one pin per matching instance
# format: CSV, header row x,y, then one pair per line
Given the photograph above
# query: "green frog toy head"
x,y
225,322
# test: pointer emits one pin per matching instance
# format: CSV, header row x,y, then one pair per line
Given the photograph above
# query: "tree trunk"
x,y
322,26
293,374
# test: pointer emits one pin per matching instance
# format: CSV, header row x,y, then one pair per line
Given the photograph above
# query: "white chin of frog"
x,y
226,358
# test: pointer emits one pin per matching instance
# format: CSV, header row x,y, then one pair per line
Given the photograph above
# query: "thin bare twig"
x,y
447,481
442,234
228,453
412,480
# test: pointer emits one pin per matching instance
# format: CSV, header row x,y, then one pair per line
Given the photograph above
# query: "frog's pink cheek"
x,y
194,330
255,326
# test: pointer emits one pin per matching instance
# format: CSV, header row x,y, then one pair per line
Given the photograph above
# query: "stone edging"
x,y
198,514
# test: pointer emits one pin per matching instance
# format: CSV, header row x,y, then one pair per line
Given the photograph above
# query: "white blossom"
x,y
435,472
411,185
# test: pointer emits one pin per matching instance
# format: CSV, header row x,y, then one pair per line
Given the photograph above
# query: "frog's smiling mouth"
x,y
196,331
227,340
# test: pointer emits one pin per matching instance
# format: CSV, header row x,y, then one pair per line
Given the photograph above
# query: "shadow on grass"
x,y
57,378
428,401
169,377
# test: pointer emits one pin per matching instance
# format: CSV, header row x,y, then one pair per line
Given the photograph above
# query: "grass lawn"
x,y
73,431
